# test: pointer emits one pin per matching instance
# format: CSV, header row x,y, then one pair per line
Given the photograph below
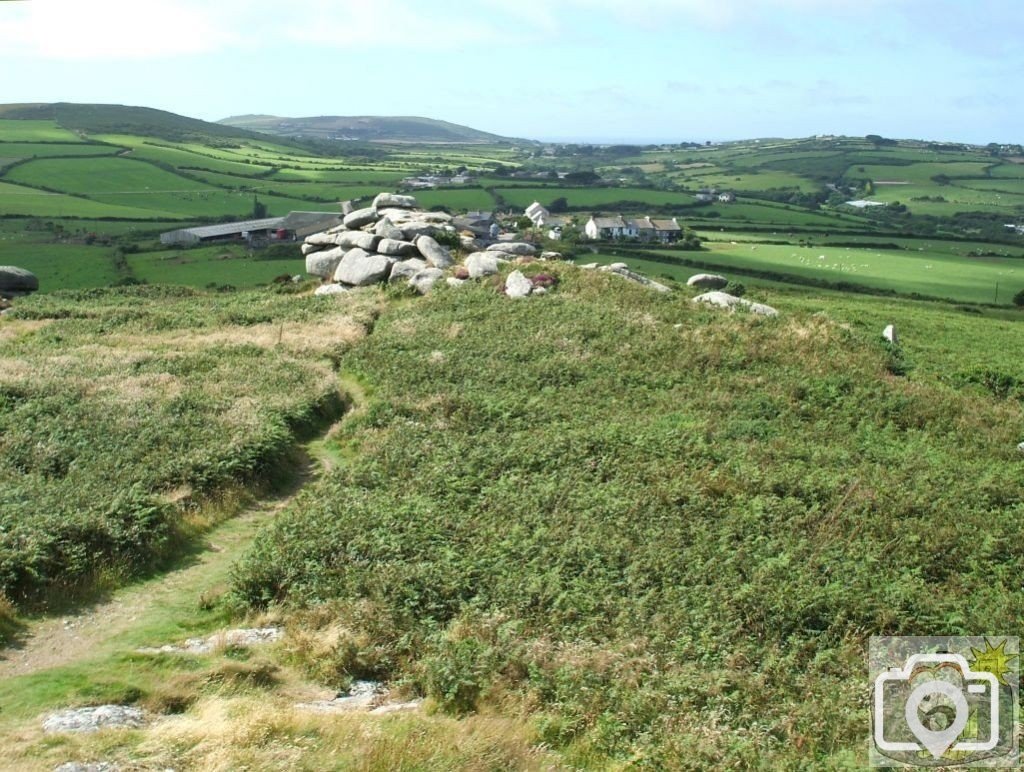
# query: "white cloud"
x,y
110,29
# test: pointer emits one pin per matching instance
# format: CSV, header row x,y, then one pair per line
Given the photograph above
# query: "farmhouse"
x,y
642,229
295,225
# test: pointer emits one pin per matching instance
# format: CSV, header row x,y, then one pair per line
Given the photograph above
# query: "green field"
x,y
224,265
34,131
62,266
456,199
142,186
926,272
43,150
19,200
593,197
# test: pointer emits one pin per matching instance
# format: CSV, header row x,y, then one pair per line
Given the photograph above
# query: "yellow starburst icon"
x,y
994,660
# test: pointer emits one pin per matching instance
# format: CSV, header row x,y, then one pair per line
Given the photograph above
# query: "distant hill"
x,y
365,128
123,119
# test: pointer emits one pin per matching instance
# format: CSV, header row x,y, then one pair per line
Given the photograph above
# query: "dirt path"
x,y
157,604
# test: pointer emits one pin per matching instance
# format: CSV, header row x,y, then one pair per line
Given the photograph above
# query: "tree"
x,y
1018,299
259,209
560,204
583,178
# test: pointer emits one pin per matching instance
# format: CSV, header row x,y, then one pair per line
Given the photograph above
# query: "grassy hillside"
x,y
596,529
624,512
116,407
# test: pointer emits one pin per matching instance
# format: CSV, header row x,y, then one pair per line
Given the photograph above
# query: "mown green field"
x,y
933,273
593,197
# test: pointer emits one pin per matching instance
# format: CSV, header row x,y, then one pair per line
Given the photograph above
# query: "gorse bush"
x,y
669,542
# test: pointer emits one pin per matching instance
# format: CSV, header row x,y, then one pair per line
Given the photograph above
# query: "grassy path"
x,y
171,605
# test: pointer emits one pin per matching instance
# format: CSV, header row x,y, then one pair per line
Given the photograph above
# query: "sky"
x,y
559,70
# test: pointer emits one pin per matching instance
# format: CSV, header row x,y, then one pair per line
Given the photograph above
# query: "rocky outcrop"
x,y
481,264
78,720
621,269
424,281
359,268
16,281
394,200
711,281
517,285
242,638
361,217
324,263
725,300
513,248
434,253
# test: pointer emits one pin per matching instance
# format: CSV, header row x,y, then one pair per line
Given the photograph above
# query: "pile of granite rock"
x,y
394,240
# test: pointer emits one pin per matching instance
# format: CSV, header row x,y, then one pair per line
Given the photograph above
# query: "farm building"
x,y
642,229
538,214
477,223
295,225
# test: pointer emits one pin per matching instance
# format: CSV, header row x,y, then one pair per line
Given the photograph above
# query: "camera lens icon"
x,y
946,705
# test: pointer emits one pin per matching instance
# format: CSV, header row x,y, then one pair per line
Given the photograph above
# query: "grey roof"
x,y
308,223
609,222
228,228
642,224
666,225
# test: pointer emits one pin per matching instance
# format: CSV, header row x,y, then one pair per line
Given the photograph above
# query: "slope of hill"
x,y
124,119
366,128
636,528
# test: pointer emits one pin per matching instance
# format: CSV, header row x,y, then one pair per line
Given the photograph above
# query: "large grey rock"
x,y
513,248
393,200
324,263
308,249
711,281
396,248
361,217
388,230
347,207
406,269
359,268
17,281
889,333
324,239
481,264
351,239
95,719
425,280
435,254
725,300
1020,447
620,269
414,229
517,285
